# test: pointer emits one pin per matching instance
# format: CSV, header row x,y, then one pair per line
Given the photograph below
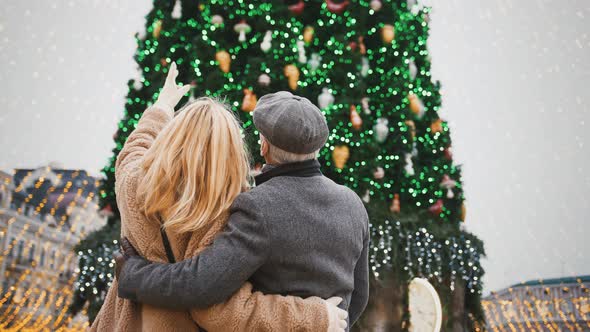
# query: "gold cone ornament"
x,y
463,212
412,128
387,33
292,74
224,60
436,126
308,33
249,101
416,104
340,156
395,204
355,118
157,29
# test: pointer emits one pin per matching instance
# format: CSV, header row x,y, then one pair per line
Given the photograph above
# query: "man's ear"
x,y
263,146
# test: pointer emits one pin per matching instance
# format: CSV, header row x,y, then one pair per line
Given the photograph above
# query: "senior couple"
x,y
204,251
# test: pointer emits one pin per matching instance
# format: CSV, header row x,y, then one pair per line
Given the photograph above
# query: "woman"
x,y
182,173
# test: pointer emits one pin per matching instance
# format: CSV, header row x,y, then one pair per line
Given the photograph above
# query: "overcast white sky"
x,y
515,78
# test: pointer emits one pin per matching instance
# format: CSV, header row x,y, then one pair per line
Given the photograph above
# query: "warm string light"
x,y
544,312
39,288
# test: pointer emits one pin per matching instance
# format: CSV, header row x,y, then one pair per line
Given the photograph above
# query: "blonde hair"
x,y
196,167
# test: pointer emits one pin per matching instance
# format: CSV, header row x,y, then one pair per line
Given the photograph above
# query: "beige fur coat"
x,y
244,311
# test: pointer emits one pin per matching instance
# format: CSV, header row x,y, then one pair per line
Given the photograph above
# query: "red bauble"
x,y
337,8
297,9
437,207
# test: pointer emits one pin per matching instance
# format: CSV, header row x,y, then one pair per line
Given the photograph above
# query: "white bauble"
x,y
365,67
367,197
381,130
266,42
137,84
365,105
376,5
409,168
414,150
301,50
176,12
413,69
325,99
379,173
264,80
424,305
217,20
314,62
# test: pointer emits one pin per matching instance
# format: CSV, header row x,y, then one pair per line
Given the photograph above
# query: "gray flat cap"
x,y
291,123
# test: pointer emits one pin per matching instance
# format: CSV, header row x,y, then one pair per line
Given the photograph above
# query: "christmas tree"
x,y
366,64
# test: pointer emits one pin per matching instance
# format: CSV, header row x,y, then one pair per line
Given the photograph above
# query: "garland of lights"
x,y
39,298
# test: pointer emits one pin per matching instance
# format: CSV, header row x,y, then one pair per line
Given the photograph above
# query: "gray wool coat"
x,y
296,233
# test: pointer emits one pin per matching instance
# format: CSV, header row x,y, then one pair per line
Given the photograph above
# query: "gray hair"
x,y
284,157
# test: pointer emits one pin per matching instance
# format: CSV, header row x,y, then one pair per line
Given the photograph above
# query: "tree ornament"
x,y
365,66
414,150
163,62
266,42
249,101
448,184
301,51
308,33
411,128
217,20
367,196
416,105
176,12
381,130
224,60
352,46
157,29
340,155
387,33
292,74
314,62
264,80
379,173
191,96
449,152
409,168
365,105
325,99
395,204
413,69
337,8
137,84
437,207
436,126
376,5
242,29
297,9
463,211
362,47
355,118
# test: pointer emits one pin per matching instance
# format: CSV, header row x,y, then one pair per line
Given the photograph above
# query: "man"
x,y
297,232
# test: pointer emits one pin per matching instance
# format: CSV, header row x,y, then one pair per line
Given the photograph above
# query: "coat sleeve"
x,y
140,140
209,278
360,295
253,311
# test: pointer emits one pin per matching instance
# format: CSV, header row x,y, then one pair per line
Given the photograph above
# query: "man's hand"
x,y
171,93
336,316
127,250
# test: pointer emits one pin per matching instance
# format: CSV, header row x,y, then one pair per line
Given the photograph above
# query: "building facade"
x,y
44,213
561,304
